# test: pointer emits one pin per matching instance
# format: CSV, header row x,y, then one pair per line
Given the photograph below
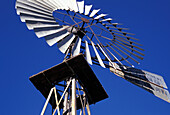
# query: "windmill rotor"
x,y
79,29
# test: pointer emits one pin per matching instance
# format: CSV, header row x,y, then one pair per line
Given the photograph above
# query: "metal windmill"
x,y
84,35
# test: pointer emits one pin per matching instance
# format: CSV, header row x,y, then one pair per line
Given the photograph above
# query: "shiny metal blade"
x,y
45,3
53,3
41,3
42,32
115,58
49,3
126,36
94,12
87,9
106,56
124,53
54,38
38,24
76,49
74,4
25,17
65,43
100,16
56,4
88,56
34,7
129,51
81,6
32,3
128,43
130,48
69,4
120,55
98,56
62,4
108,19
34,13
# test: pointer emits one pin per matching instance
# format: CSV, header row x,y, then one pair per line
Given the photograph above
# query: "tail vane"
x,y
152,83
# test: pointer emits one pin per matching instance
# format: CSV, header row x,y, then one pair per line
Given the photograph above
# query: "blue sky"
x,y
23,55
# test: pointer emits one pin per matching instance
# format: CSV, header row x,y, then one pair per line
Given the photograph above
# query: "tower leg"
x,y
46,103
74,107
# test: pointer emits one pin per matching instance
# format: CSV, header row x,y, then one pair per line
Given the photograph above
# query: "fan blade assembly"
x,y
75,27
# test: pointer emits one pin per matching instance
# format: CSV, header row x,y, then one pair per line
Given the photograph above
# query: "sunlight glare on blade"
x,y
65,43
76,49
97,55
88,56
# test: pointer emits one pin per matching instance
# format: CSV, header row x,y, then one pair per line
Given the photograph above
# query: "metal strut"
x,y
70,103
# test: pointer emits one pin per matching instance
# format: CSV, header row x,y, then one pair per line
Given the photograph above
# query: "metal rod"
x,y
74,107
56,99
81,99
88,108
62,96
48,99
65,102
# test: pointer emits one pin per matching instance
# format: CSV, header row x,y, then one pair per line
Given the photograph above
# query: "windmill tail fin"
x,y
151,82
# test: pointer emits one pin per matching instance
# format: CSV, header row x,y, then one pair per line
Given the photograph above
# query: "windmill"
x,y
85,36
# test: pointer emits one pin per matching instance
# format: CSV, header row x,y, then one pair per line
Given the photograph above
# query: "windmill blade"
x,y
33,7
111,24
34,24
56,4
25,17
69,4
115,58
94,12
98,56
75,7
100,16
88,56
65,43
130,48
87,9
129,51
115,30
76,49
118,28
45,3
52,3
106,56
45,31
62,4
81,6
120,55
33,13
124,53
125,40
33,4
108,19
104,53
143,80
54,38
38,3
128,37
